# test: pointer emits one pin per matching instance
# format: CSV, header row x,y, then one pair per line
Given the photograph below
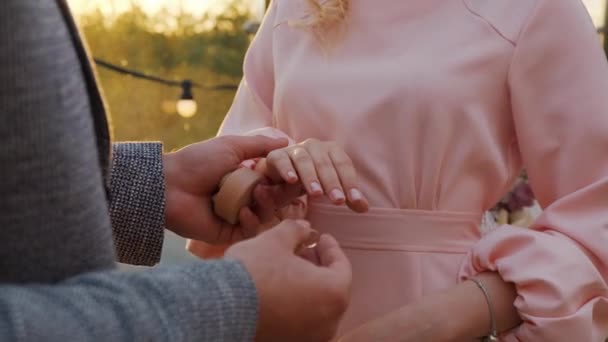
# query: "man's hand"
x,y
192,177
299,300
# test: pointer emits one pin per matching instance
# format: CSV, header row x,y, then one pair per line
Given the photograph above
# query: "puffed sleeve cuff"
x,y
561,294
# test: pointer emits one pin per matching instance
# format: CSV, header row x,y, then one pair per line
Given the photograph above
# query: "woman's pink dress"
x,y
440,103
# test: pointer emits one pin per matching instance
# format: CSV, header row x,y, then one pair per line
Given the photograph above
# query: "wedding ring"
x,y
312,245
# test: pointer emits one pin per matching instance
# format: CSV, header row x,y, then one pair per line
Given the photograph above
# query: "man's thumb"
x,y
295,233
250,147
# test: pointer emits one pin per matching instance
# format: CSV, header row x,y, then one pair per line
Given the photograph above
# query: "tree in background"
x,y
208,49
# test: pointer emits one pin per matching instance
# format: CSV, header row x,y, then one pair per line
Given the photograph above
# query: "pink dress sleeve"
x,y
251,110
251,114
558,82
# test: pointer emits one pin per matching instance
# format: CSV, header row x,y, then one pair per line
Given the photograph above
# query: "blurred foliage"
x,y
208,50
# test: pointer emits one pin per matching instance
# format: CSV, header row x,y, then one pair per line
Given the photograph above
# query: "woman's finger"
x,y
347,174
305,167
249,223
279,164
265,202
327,173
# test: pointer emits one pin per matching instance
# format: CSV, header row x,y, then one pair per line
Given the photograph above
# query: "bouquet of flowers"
x,y
518,207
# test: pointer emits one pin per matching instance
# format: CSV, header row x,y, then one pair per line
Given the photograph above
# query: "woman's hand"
x,y
321,167
310,168
273,203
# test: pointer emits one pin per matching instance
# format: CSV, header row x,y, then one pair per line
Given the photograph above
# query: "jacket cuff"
x,y
137,202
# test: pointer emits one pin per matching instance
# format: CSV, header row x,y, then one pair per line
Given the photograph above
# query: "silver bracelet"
x,y
493,336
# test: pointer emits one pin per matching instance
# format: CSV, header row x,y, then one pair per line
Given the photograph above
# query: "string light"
x,y
186,105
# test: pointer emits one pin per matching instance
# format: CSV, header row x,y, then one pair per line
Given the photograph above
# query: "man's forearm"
x,y
204,301
137,202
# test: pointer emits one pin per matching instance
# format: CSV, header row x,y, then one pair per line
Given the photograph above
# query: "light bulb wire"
x,y
186,85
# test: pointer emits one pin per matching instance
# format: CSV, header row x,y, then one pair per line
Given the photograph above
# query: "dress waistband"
x,y
398,229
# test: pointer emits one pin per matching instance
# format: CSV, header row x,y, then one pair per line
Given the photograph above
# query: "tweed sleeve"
x,y
197,301
137,202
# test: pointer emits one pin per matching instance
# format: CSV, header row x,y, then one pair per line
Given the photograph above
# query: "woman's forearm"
x,y
457,314
464,309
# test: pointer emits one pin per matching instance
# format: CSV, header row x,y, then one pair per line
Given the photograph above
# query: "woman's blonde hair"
x,y
326,13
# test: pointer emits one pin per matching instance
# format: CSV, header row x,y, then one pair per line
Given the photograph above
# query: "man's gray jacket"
x,y
71,206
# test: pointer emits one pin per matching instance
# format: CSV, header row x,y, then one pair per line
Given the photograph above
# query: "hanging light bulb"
x,y
186,105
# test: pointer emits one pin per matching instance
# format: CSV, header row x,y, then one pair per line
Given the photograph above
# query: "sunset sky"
x,y
194,6
596,7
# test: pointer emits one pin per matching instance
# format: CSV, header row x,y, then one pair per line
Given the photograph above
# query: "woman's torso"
x,y
417,94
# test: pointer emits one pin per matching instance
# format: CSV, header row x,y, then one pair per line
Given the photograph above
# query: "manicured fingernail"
x,y
315,188
356,195
337,195
292,175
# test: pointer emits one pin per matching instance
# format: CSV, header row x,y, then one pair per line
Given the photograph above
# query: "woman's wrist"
x,y
458,314
463,311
